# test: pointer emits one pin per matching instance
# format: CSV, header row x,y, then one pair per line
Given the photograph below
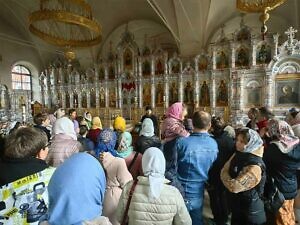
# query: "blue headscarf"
x,y
107,140
76,191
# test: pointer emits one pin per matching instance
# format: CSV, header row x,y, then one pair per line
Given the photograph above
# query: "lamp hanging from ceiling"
x,y
259,6
65,23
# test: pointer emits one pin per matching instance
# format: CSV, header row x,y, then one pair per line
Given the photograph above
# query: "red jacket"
x,y
93,135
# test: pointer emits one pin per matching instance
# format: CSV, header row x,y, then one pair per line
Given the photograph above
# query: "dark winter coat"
x,y
283,168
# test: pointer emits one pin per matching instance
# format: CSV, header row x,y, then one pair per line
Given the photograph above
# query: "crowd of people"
x,y
69,169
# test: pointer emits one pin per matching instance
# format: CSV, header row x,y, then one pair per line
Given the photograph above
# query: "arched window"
x,y
21,78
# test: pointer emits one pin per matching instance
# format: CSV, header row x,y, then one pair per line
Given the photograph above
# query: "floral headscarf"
x,y
175,111
173,126
125,146
283,132
107,140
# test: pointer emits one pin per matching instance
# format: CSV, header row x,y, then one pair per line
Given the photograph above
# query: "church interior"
x,y
208,54
112,59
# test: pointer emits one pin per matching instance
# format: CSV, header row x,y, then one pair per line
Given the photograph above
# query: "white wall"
x,y
14,50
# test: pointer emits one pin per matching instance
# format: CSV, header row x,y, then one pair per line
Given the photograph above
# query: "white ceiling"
x,y
189,24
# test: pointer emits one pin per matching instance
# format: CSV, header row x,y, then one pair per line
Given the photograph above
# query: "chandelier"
x,y
65,23
259,6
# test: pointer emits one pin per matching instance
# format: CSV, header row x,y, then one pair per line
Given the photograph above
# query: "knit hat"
x,y
96,123
120,124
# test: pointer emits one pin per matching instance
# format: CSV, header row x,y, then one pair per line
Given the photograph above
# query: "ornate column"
x,y
140,73
268,89
88,98
214,58
63,98
153,94
79,103
196,86
140,89
106,92
42,84
232,58
166,91
71,98
166,63
96,73
152,65
180,88
275,38
213,93
119,93
97,97
106,72
253,52
240,91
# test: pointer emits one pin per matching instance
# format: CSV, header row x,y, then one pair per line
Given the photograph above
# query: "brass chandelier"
x,y
65,23
259,6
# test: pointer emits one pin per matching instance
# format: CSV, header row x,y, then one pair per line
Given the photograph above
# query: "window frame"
x,y
21,75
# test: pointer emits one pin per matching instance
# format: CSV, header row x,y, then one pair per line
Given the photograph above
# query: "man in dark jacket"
x,y
153,118
218,194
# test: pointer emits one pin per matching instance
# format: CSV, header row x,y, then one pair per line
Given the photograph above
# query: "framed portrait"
x,y
253,94
287,90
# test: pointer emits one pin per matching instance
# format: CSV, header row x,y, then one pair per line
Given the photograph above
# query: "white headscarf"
x,y
154,165
64,126
147,128
255,141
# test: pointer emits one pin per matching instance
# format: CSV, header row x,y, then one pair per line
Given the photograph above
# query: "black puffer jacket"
x,y
248,205
144,143
226,150
283,168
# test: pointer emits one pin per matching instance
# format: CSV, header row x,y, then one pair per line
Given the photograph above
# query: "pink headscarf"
x,y
175,111
282,131
173,126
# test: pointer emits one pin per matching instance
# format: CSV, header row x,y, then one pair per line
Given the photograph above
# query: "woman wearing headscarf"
x,y
59,113
119,126
64,143
106,142
95,130
172,129
133,159
282,159
294,121
147,137
117,174
153,200
75,195
88,119
244,177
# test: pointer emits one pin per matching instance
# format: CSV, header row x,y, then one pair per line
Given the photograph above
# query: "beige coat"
x,y
117,176
101,220
169,209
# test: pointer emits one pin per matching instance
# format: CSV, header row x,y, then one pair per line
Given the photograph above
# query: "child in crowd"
x,y
42,121
87,144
